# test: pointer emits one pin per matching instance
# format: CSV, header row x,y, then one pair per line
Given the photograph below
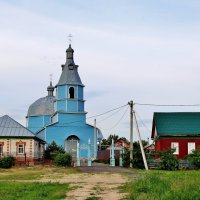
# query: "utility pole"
x,y
131,132
95,139
140,142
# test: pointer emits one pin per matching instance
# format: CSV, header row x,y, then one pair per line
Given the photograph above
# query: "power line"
x,y
167,105
95,116
109,116
72,122
117,121
144,125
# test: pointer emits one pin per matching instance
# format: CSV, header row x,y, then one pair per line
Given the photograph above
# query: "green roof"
x,y
177,123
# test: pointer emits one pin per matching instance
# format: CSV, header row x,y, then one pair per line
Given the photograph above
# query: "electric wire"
x,y
117,121
167,105
72,122
144,125
99,121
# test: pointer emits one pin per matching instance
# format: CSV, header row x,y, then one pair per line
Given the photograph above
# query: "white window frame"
x,y
189,147
175,145
20,147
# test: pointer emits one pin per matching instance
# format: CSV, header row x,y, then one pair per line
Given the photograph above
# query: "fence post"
x,y
78,155
89,153
112,154
120,158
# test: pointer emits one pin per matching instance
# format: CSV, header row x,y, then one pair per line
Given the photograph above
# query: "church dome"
x,y
43,106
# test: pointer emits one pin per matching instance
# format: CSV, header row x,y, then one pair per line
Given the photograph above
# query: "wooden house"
x,y
178,130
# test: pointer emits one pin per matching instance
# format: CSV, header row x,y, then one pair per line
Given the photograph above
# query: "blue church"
x,y
62,118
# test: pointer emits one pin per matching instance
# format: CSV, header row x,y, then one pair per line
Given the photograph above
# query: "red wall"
x,y
165,144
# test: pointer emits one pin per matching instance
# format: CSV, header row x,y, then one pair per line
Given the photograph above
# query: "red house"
x,y
179,131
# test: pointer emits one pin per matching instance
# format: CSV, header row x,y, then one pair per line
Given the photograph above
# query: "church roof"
x,y
70,71
11,128
43,106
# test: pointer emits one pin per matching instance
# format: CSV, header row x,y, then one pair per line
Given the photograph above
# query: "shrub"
x,y
137,156
63,159
168,161
194,158
7,162
53,149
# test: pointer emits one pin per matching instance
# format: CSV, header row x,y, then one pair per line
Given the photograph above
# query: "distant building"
x,y
19,142
122,142
63,118
178,130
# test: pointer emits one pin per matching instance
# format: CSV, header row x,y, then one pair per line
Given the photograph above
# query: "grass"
x,y
35,173
32,191
164,185
13,183
93,198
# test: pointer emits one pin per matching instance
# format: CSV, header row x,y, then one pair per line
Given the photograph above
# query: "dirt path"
x,y
105,186
84,185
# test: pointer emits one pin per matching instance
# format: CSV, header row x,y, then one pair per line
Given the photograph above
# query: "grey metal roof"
x,y
70,76
10,128
43,106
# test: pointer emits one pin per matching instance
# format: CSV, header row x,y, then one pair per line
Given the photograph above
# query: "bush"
x,y
7,162
137,156
63,159
194,158
168,161
53,149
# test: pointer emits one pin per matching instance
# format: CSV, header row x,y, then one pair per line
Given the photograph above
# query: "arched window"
x,y
71,93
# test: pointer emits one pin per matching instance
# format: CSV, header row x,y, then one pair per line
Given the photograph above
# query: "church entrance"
x,y
71,146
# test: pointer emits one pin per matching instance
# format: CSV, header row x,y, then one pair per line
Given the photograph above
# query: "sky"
x,y
140,50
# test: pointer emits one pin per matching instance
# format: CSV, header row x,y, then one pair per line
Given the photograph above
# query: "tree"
x,y
194,158
53,149
137,156
107,142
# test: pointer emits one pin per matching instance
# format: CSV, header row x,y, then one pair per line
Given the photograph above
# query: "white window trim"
x,y
175,145
22,149
190,150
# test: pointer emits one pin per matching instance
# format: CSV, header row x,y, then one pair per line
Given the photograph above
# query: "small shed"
x,y
19,142
176,130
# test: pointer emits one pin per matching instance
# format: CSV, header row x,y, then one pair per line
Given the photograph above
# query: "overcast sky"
x,y
140,50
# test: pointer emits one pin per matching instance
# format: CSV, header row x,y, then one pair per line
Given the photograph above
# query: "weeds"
x,y
165,185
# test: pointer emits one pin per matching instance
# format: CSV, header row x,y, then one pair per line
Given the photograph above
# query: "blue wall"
x,y
35,123
59,134
71,119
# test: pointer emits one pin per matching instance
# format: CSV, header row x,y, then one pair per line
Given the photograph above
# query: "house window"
x,y
71,93
191,147
20,148
175,146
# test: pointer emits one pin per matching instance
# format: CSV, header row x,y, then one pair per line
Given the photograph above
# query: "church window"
x,y
71,93
20,148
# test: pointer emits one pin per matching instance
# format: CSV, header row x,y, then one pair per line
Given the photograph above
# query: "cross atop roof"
x,y
70,38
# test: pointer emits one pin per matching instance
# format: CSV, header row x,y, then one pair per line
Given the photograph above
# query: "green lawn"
x,y
32,191
164,185
35,173
13,185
